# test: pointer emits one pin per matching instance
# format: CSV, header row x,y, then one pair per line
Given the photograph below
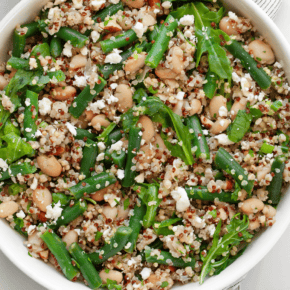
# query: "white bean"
x,y
216,104
63,93
148,128
220,126
195,107
252,205
177,109
70,238
99,195
8,208
239,104
134,64
177,59
269,211
42,198
165,73
78,61
134,3
100,121
262,52
124,95
110,212
112,275
229,26
159,143
49,165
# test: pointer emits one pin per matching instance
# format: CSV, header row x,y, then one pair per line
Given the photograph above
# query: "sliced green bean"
x,y
119,41
83,134
258,74
226,162
87,268
56,47
165,258
108,11
153,34
15,169
211,85
202,193
81,102
274,189
58,249
76,38
32,29
161,43
119,158
18,63
107,131
198,138
92,184
117,243
30,115
19,42
135,224
114,137
133,148
90,153
70,213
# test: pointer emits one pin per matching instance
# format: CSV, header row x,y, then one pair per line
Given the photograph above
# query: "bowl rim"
x,y
236,271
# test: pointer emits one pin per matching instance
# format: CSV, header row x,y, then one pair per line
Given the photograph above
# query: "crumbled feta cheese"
x,y
235,77
3,164
113,57
145,273
71,128
27,102
139,29
113,86
166,4
233,16
120,173
100,104
116,147
223,112
102,146
30,229
80,81
34,184
44,106
21,214
181,198
101,157
97,4
180,95
67,50
32,63
95,36
187,20
53,212
77,4
84,50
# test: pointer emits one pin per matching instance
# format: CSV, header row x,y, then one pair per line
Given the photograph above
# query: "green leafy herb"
x,y
276,105
112,284
60,197
240,126
98,236
164,284
126,203
266,148
213,213
152,91
237,232
104,135
15,188
256,113
251,152
19,225
162,227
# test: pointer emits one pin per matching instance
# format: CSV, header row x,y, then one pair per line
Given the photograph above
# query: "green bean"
x,y
60,197
30,116
70,213
153,34
117,243
135,224
87,269
202,193
92,184
56,47
19,42
198,138
160,45
18,63
76,38
165,258
58,249
32,29
119,41
258,74
90,153
226,162
108,11
107,131
83,134
81,102
15,169
114,137
119,158
274,189
211,85
40,49
133,148
108,69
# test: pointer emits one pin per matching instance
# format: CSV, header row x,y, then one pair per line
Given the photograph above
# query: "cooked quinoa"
x,y
143,144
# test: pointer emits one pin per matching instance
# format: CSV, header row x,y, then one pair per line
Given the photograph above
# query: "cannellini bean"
x,y
134,3
262,171
42,198
134,64
36,242
229,26
239,104
147,155
89,115
148,128
253,225
269,211
8,208
262,52
63,93
49,165
206,122
165,73
78,61
100,121
252,205
99,195
110,212
111,27
124,95
3,83
70,238
44,254
195,107
215,106
153,279
159,143
126,23
112,275
178,108
81,122
222,214
220,126
122,213
177,60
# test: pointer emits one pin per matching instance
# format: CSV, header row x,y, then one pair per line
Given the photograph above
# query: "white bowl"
x,y
11,242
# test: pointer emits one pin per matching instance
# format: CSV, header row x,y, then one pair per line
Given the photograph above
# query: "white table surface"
x,y
272,273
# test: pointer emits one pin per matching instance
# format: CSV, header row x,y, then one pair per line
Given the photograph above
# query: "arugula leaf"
x,y
162,227
15,188
237,232
16,148
256,113
240,126
112,284
266,148
19,224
